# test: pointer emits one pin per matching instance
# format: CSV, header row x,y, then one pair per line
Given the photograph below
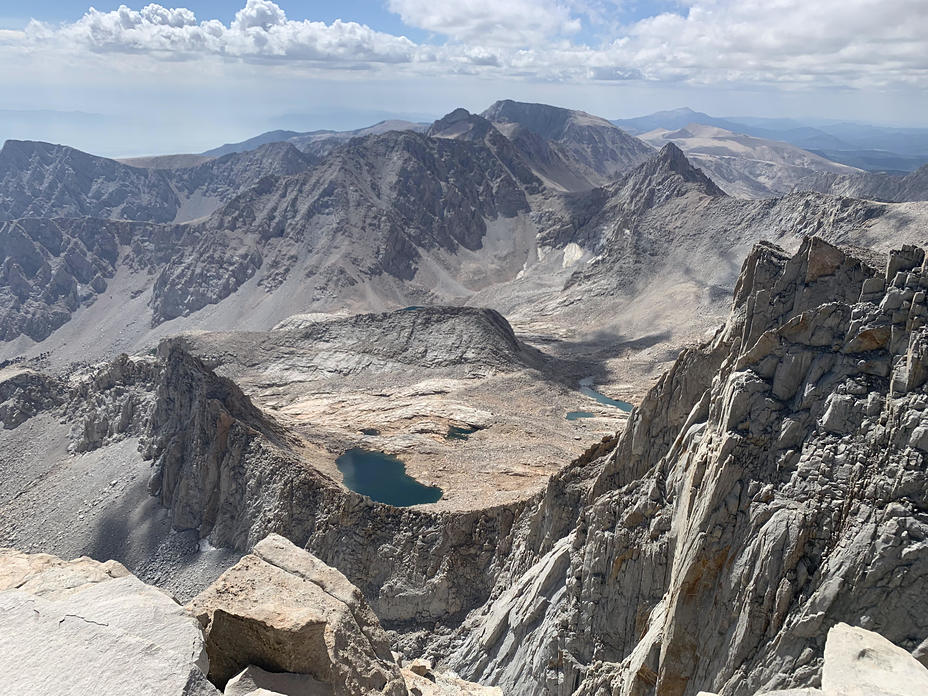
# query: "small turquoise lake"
x,y
457,432
603,399
586,388
383,478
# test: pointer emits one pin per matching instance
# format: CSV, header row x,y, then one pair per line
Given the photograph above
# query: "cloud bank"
x,y
788,43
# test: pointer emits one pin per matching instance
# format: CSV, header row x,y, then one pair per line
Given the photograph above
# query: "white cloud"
x,y
490,22
262,14
836,42
259,30
789,43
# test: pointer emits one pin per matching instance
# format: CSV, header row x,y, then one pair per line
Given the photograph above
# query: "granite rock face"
x,y
254,681
770,486
280,622
858,662
83,627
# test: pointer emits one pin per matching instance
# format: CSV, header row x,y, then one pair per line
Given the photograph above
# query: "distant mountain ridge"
x,y
40,180
874,148
744,165
306,140
893,188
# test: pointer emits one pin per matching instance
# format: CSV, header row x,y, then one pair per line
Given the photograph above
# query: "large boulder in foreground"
x,y
284,610
73,628
863,663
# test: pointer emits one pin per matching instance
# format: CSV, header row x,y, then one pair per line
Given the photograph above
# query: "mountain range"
x,y
526,208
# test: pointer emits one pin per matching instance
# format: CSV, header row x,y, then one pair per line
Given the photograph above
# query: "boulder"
x,y
283,610
862,663
83,627
421,667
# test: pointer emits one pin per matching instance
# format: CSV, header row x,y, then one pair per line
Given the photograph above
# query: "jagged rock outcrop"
x,y
282,609
112,402
80,627
771,485
52,267
23,393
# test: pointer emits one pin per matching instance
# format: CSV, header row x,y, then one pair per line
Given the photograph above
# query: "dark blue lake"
x,y
383,478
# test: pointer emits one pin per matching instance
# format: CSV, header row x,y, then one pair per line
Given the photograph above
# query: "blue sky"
x,y
195,73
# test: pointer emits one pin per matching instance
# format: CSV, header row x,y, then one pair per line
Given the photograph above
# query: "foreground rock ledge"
x,y
280,623
73,628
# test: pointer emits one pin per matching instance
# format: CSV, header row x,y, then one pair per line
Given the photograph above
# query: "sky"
x,y
143,78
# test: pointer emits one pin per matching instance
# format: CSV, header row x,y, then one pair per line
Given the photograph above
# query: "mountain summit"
x,y
577,149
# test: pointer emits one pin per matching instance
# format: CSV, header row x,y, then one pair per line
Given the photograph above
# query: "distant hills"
x,y
310,140
874,148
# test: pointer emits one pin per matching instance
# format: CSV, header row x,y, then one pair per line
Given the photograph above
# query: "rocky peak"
x,y
547,121
460,124
588,147
668,174
455,117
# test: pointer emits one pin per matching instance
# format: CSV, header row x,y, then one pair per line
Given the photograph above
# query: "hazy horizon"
x,y
186,79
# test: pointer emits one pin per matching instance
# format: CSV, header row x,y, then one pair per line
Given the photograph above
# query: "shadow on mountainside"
x,y
136,531
572,360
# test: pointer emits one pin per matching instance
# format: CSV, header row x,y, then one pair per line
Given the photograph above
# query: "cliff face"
x,y
772,484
